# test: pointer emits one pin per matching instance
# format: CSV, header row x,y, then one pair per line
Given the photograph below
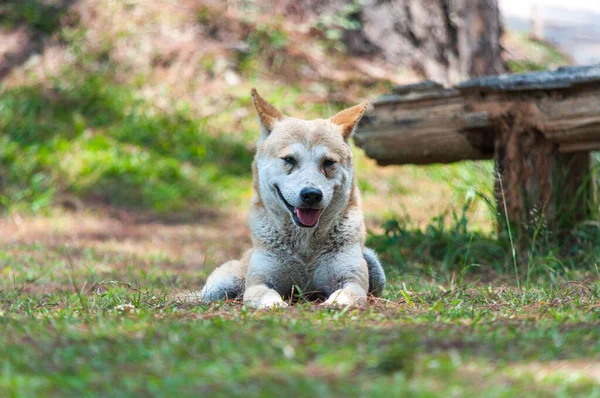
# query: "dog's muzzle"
x,y
304,217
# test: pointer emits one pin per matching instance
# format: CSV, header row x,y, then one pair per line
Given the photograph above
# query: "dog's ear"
x,y
348,118
267,114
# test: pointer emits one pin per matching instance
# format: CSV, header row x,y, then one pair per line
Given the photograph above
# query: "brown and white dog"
x,y
306,220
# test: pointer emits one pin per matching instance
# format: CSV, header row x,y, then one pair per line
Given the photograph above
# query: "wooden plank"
x,y
579,147
447,126
417,96
423,141
562,78
424,86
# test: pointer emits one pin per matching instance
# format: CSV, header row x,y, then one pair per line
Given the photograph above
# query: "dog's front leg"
x,y
345,276
265,277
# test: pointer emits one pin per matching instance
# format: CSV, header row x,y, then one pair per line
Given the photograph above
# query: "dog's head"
x,y
304,167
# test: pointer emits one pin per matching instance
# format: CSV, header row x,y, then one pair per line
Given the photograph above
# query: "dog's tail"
x,y
376,274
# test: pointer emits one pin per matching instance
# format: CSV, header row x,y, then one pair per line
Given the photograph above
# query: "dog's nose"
x,y
311,196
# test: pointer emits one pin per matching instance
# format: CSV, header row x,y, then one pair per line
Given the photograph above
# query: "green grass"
x,y
533,55
470,341
39,17
87,319
450,244
87,136
80,317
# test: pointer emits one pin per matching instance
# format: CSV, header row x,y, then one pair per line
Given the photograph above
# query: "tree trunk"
x,y
447,40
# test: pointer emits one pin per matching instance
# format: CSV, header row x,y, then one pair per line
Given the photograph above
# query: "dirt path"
x,y
90,247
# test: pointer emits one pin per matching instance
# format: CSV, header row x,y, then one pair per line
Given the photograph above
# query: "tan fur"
x,y
311,133
267,113
328,257
348,118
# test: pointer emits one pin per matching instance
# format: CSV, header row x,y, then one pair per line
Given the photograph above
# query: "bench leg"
x,y
538,189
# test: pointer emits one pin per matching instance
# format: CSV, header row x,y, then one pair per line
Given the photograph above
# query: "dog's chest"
x,y
298,248
305,250
300,252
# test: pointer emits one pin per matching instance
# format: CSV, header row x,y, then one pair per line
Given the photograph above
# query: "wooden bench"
x,y
539,129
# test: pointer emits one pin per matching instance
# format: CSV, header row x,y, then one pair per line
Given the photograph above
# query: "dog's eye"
x,y
290,161
329,163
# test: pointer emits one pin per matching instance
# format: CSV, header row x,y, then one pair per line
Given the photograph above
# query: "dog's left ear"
x,y
267,114
348,118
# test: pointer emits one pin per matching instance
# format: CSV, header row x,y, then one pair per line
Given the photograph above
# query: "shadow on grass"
x,y
90,137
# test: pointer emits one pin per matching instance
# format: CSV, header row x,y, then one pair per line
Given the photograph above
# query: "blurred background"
x,y
126,126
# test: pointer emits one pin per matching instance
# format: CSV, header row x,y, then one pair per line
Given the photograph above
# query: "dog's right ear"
x,y
268,115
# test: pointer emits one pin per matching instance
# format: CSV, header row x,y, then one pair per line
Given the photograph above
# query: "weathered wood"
x,y
569,118
426,126
424,86
442,140
562,78
538,128
437,125
523,179
415,96
538,189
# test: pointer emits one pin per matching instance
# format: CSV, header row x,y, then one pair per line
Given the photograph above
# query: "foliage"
x,y
347,18
88,136
439,245
40,17
333,25
527,54
447,244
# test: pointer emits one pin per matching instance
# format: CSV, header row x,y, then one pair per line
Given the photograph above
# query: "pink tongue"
x,y
308,217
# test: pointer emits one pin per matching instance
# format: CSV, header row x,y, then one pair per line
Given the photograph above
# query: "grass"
x,y
528,54
470,341
90,309
450,244
39,17
100,130
93,138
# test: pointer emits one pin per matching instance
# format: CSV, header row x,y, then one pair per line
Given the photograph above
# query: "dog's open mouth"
x,y
307,217
303,217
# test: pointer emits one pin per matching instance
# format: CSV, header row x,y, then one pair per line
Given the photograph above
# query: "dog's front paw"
x,y
341,298
272,304
269,300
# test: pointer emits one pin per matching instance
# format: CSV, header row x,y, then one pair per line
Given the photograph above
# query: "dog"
x,y
306,221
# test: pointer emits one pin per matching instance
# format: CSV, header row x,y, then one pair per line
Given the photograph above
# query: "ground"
x,y
88,306
127,137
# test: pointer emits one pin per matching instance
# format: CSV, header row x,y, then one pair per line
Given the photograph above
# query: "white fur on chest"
x,y
298,252
278,233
